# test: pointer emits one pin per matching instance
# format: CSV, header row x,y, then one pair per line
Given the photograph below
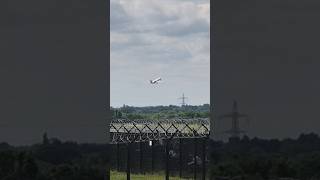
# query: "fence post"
x,y
204,158
107,174
141,157
128,161
195,159
152,156
167,159
180,157
118,157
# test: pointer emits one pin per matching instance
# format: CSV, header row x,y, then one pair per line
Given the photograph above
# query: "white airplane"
x,y
155,81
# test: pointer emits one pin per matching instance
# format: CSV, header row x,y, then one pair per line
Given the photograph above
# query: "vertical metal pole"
x,y
108,165
141,157
167,159
107,174
128,161
195,159
180,157
152,157
118,157
204,158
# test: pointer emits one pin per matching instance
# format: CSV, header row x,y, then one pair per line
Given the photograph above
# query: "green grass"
x,y
123,176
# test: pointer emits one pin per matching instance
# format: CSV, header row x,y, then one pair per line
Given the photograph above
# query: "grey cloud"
x,y
152,40
119,19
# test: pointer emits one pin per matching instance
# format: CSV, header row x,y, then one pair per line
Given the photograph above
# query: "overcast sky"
x,y
168,39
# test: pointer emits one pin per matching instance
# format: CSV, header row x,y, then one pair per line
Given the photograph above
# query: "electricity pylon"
x,y
183,98
235,116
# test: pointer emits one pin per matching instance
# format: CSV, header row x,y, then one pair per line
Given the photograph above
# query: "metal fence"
x,y
129,132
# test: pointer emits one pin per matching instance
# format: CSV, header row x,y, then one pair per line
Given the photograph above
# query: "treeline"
x,y
54,160
245,158
267,159
161,112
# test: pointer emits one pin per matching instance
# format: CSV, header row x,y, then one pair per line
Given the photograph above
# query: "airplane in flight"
x,y
155,81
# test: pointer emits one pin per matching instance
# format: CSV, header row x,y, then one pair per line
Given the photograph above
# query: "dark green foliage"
x,y
54,160
135,116
18,165
255,158
29,168
160,112
56,152
267,159
7,163
45,140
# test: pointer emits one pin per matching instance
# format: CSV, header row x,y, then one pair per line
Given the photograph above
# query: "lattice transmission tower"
x,y
235,117
183,100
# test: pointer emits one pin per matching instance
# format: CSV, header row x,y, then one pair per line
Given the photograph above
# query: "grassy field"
x,y
122,176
